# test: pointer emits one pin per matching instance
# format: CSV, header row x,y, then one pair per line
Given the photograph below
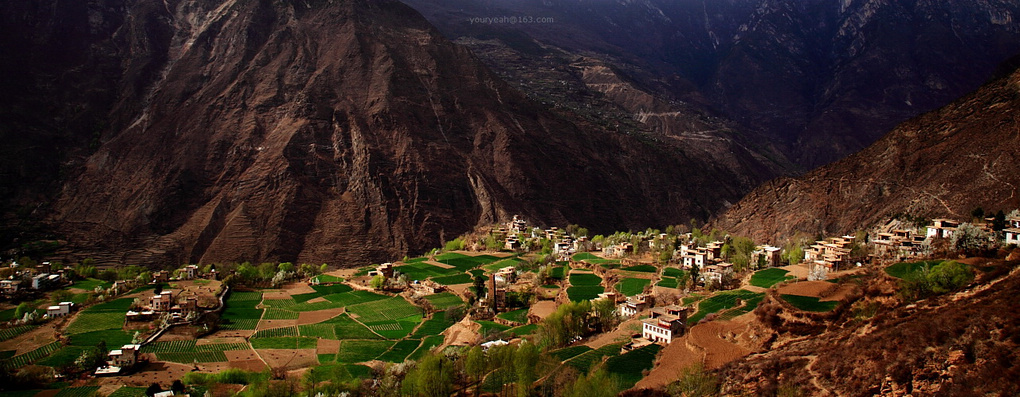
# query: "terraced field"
x,y
721,301
768,277
584,286
629,366
585,361
632,286
30,357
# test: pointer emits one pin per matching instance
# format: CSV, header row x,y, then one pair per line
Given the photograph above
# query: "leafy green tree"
x,y
432,377
978,213
323,268
475,365
285,267
603,315
377,281
525,360
597,384
479,284
23,307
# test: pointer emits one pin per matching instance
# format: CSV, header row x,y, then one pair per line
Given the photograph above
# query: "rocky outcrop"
x,y
325,131
942,164
821,79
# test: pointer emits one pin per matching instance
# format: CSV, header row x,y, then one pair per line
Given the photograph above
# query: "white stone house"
x,y
61,310
1012,236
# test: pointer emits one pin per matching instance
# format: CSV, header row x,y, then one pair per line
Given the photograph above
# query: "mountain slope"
x,y
944,163
341,132
821,79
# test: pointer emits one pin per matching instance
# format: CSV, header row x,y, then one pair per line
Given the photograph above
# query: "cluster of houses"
x,y
163,303
662,325
37,279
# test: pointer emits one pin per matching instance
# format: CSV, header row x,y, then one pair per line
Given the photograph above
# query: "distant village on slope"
x,y
598,310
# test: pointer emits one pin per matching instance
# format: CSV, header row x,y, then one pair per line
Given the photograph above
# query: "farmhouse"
x,y
942,228
831,253
635,305
766,255
120,359
61,310
162,302
189,272
1012,235
9,287
694,256
505,275
385,269
161,276
716,273
665,324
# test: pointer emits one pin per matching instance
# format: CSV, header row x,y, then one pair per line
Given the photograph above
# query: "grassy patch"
x,y
422,271
84,391
129,392
632,286
492,267
444,300
399,352
673,272
325,278
582,279
64,356
276,332
489,326
583,293
463,262
517,316
91,284
769,277
668,282
114,338
558,272
284,343
89,321
394,308
395,329
354,297
687,300
720,301
641,268
567,353
273,313
628,366
29,357
585,361
356,351
584,256
433,326
426,344
343,328
809,303
462,278
902,269
749,305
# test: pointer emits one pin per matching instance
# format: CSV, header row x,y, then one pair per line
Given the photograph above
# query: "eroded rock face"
x,y
326,131
942,164
821,79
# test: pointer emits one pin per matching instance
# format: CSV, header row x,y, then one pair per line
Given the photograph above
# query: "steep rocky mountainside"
x,y
942,164
319,131
960,344
821,79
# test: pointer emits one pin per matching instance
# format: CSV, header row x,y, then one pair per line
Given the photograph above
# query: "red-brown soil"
x,y
318,316
543,309
328,346
268,324
289,358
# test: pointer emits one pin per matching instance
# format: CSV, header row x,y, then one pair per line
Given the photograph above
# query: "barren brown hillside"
x,y
942,164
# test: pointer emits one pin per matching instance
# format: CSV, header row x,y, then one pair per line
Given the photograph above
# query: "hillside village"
x,y
625,311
